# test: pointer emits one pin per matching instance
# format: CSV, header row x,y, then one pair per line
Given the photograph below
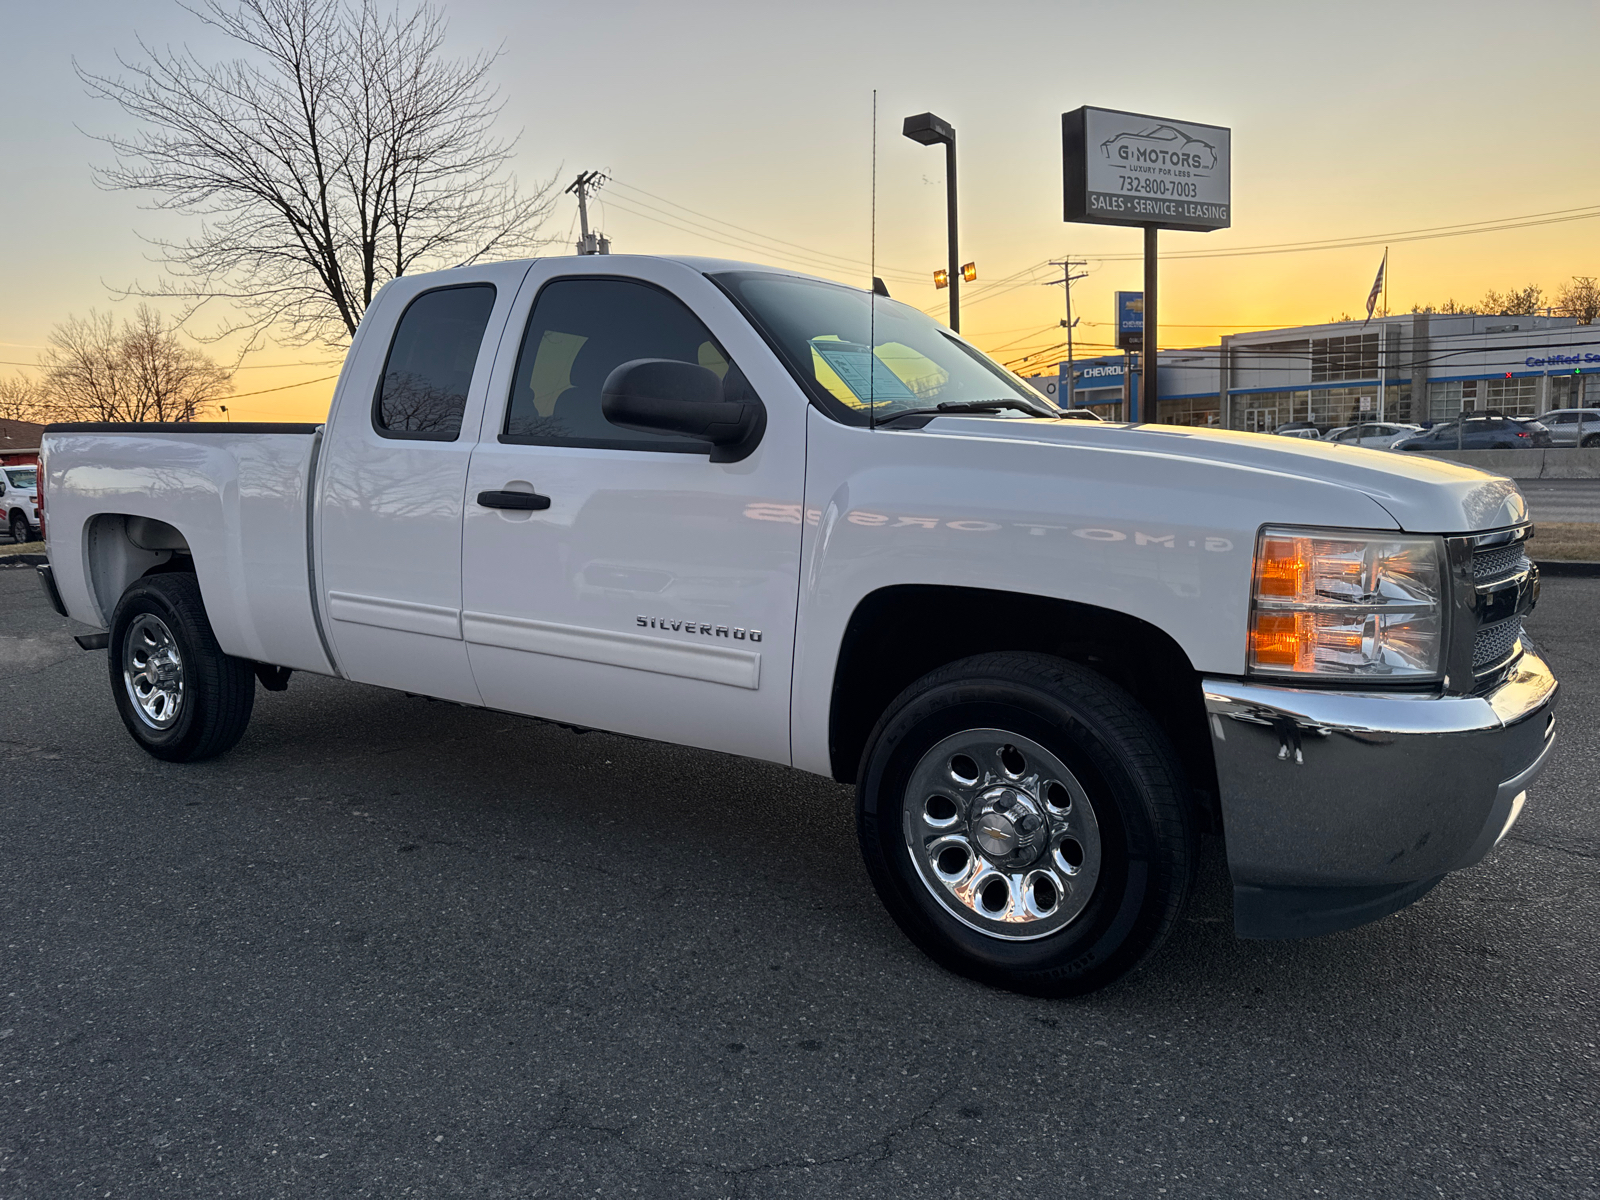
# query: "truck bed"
x,y
238,496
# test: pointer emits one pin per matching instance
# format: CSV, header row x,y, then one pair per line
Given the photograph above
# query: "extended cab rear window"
x,y
425,381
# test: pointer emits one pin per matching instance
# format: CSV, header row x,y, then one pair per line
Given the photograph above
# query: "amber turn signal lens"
x,y
1284,567
1281,639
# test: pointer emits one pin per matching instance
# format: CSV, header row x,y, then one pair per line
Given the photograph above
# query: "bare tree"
x,y
1517,302
21,399
342,150
140,371
1450,308
1580,298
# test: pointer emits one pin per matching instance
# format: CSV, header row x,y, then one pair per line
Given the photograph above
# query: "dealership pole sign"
x,y
1128,169
1122,168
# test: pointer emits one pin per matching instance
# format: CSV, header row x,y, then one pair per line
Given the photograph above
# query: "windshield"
x,y
23,479
822,331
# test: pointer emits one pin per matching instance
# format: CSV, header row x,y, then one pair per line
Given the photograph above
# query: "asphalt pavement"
x,y
1575,500
389,947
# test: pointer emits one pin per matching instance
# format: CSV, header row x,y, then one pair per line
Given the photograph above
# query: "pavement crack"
x,y
1557,846
879,1150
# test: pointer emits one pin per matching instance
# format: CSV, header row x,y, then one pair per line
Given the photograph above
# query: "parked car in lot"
x,y
1375,435
1301,429
1573,426
20,496
1488,432
737,508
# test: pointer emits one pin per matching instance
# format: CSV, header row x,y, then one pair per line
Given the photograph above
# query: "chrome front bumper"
x,y
1340,807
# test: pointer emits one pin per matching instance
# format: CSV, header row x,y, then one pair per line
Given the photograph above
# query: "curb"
x,y
23,560
1557,567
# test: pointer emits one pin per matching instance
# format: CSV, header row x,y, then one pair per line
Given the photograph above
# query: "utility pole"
x,y
587,183
1067,280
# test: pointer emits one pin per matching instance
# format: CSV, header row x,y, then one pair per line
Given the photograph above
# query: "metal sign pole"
x,y
1148,346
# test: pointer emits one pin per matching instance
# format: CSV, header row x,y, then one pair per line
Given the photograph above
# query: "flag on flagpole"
x,y
1377,286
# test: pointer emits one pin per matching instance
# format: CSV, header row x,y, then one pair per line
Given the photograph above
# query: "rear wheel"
x,y
1026,824
1591,441
179,695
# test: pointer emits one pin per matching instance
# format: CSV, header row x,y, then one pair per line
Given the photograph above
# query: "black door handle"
x,y
523,500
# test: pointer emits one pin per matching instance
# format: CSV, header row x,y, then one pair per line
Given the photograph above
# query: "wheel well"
x,y
122,548
899,634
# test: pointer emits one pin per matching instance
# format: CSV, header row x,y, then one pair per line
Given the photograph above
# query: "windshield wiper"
x,y
950,407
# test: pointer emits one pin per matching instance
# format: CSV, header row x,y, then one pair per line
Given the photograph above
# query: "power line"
x,y
684,225
1427,233
844,259
284,388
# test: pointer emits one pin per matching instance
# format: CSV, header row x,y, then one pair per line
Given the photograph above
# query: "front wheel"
x,y
21,531
1026,823
180,696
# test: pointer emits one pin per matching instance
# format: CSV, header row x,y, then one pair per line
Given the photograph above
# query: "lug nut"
x,y
1004,803
1030,823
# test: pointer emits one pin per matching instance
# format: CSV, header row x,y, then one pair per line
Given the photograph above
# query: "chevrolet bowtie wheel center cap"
x,y
1009,828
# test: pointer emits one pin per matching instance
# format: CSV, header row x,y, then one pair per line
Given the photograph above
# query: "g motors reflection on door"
x,y
596,554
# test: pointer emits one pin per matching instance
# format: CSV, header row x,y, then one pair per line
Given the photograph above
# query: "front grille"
x,y
1499,562
1495,643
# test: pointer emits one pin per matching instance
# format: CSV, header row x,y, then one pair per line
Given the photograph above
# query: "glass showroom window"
x,y
1514,397
1336,358
1260,413
1194,410
1448,398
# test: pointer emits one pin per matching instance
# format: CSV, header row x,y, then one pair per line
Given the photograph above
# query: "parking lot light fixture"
x,y
929,130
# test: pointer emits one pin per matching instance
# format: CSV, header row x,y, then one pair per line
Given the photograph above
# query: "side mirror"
x,y
662,395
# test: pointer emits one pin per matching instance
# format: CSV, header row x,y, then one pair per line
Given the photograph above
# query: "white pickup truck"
x,y
738,508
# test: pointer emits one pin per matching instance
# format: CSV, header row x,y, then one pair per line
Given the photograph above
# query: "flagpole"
x,y
1383,341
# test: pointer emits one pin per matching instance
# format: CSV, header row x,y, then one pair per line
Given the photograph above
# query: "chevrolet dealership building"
x,y
1419,368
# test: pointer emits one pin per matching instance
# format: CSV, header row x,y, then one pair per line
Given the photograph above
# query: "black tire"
x,y
217,690
1591,441
21,531
1128,772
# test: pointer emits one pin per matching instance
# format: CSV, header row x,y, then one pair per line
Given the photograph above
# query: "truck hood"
x,y
1423,494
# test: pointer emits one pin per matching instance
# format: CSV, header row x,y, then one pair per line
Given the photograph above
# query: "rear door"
x,y
1563,427
655,595
393,478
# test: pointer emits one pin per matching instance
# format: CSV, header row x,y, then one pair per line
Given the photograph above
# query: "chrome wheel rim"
x,y
152,671
1002,834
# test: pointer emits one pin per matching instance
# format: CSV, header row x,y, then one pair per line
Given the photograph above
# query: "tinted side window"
x,y
1563,419
579,332
429,371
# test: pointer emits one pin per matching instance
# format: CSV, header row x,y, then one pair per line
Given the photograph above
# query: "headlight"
x,y
1327,602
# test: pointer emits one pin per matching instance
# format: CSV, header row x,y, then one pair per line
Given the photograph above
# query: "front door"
x,y
655,595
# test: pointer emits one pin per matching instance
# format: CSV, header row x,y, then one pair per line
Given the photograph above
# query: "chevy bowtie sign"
x,y
1128,169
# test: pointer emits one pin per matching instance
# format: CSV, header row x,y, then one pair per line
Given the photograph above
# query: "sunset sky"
x,y
1348,120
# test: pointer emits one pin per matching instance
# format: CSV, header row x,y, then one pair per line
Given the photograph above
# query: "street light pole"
x,y
929,130
1148,349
